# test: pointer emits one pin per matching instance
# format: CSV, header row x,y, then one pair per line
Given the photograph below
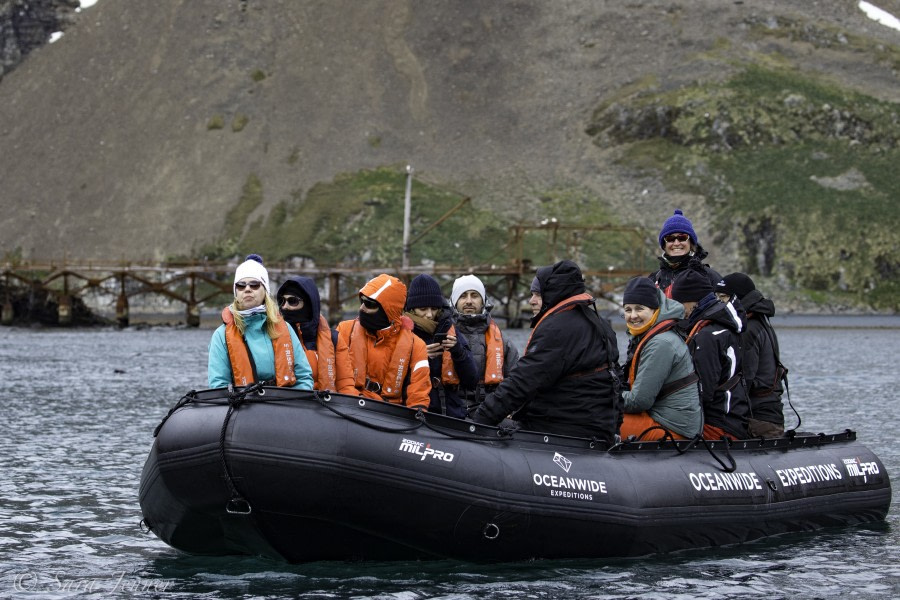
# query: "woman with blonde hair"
x,y
254,344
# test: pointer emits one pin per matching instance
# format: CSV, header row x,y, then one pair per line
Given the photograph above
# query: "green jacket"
x,y
665,358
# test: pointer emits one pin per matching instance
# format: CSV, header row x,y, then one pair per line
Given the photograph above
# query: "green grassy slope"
x,y
800,172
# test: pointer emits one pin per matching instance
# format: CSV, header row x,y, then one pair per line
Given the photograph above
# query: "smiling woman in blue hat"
x,y
681,250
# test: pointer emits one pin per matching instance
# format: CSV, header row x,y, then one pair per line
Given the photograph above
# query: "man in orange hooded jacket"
x,y
387,361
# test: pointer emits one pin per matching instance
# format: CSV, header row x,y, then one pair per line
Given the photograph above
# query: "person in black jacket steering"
x,y
565,382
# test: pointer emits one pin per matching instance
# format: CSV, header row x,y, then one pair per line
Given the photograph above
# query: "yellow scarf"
x,y
643,328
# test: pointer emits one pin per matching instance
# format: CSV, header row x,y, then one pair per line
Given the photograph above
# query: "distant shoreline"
x,y
210,320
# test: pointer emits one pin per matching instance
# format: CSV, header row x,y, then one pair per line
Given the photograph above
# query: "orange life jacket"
x,y
389,385
239,355
493,350
321,360
493,355
567,304
658,328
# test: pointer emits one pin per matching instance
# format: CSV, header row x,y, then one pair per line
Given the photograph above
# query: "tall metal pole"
x,y
407,206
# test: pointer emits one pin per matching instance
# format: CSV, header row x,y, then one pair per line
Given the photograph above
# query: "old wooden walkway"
x,y
208,285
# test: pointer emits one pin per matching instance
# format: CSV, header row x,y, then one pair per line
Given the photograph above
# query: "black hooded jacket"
x,y
447,400
305,321
669,268
563,383
716,350
474,328
761,360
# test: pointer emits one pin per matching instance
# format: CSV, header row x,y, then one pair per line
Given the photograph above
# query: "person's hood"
x,y
308,286
389,292
754,302
668,308
558,282
727,315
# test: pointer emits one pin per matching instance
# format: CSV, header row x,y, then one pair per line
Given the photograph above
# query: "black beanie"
x,y
424,292
736,284
691,286
641,290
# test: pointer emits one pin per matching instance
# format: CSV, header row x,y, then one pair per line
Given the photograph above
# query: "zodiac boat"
x,y
305,476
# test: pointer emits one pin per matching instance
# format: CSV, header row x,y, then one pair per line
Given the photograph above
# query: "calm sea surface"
x,y
79,408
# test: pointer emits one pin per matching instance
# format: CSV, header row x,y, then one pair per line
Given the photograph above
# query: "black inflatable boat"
x,y
303,476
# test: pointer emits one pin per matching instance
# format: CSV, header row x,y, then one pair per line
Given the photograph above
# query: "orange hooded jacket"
x,y
381,362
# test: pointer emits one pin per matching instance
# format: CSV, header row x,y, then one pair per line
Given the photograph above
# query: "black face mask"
x,y
293,316
374,321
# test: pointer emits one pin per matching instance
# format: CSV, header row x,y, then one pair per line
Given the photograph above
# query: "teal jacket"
x,y
260,344
665,358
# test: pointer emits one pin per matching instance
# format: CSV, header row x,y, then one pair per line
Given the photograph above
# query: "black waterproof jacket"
x,y
474,328
670,267
761,360
307,328
716,350
447,399
563,383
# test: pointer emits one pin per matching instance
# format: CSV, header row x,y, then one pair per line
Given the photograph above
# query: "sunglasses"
x,y
292,301
254,285
677,237
369,303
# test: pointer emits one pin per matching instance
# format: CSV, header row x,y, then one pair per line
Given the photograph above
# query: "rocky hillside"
x,y
26,25
154,130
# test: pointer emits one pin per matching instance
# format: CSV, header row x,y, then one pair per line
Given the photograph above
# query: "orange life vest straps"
x,y
696,329
493,355
567,304
658,328
385,385
448,370
321,360
493,358
241,362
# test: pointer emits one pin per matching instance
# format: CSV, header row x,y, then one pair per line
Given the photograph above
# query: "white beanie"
x,y
252,267
463,285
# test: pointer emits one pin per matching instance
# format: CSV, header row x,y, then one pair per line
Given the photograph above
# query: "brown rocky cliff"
x,y
26,25
134,134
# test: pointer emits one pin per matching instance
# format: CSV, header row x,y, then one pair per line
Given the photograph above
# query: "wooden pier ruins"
x,y
208,285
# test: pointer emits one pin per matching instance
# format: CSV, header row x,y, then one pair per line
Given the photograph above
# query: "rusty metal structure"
x,y
208,284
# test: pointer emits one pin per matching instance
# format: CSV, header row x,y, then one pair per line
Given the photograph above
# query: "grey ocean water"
x,y
79,408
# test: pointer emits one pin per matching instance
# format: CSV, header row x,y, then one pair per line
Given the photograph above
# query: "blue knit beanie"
x,y
677,223
424,292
